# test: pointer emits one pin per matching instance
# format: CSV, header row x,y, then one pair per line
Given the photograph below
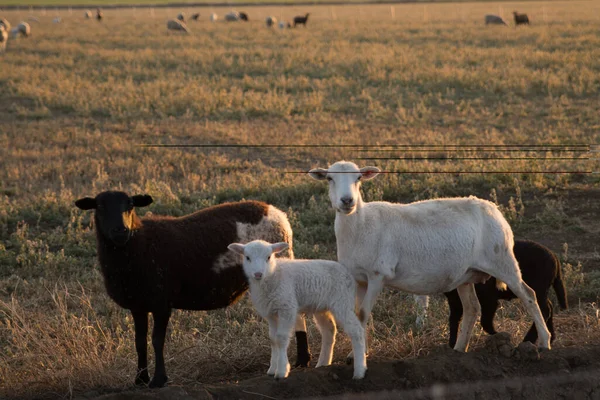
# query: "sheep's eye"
x,y
268,258
359,178
247,258
329,178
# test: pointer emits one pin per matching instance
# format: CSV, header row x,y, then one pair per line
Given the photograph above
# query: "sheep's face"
x,y
344,183
114,213
259,257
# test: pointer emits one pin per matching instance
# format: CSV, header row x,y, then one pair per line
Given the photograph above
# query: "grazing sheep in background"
x,y
299,20
243,16
540,269
214,17
283,25
282,288
424,247
57,20
494,20
23,29
181,17
33,19
3,38
196,16
176,25
154,264
4,21
271,21
99,14
88,14
232,16
521,18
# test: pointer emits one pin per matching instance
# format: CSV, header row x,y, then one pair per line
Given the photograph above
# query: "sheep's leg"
x,y
546,309
472,310
274,349
161,321
140,321
302,351
361,291
456,312
353,327
422,306
527,296
326,326
285,323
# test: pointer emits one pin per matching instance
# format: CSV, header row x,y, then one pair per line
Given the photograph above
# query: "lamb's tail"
x,y
501,286
560,290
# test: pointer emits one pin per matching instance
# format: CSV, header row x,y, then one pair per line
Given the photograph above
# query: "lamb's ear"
x,y
141,200
369,172
87,203
319,174
237,247
279,247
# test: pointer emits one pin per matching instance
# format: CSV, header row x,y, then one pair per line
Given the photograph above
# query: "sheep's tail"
x,y
501,286
560,290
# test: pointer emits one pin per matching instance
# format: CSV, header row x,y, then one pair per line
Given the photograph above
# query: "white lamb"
x,y
214,17
425,247
281,288
3,38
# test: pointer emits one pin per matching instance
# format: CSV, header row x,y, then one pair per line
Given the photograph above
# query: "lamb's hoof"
x,y
359,375
142,378
158,381
349,360
303,360
271,372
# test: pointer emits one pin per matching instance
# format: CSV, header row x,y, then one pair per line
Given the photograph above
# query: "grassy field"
x,y
79,98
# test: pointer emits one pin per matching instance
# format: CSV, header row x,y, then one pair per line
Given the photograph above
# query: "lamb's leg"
x,y
471,310
422,306
489,305
140,321
161,321
361,291
456,312
326,326
303,352
274,349
285,323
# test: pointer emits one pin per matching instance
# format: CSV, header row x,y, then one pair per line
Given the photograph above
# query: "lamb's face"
x,y
114,213
344,183
259,257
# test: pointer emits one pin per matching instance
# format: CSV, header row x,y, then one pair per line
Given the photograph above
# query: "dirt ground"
x,y
498,370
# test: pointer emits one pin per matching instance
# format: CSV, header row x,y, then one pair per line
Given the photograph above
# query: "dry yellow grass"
x,y
79,97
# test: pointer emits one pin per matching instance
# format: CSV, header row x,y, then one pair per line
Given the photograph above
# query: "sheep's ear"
x,y
279,247
319,174
141,200
369,172
236,247
87,203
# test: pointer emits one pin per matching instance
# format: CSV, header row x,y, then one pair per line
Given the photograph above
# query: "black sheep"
x,y
196,16
521,18
99,14
243,16
154,264
301,20
540,269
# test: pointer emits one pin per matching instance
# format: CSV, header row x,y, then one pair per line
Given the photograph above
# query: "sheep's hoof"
x,y
303,360
349,360
142,378
158,381
359,375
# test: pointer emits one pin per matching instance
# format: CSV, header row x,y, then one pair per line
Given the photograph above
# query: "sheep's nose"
x,y
346,200
258,275
120,229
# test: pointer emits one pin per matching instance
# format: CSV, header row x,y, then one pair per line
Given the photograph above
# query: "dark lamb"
x,y
196,16
99,14
521,18
540,269
299,20
154,264
243,16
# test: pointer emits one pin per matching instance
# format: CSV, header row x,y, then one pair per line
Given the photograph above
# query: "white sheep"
x,y
232,16
176,25
4,21
214,17
3,38
425,247
57,20
271,21
23,29
281,288
88,14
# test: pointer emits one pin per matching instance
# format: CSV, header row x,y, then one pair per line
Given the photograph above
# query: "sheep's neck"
x,y
346,226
